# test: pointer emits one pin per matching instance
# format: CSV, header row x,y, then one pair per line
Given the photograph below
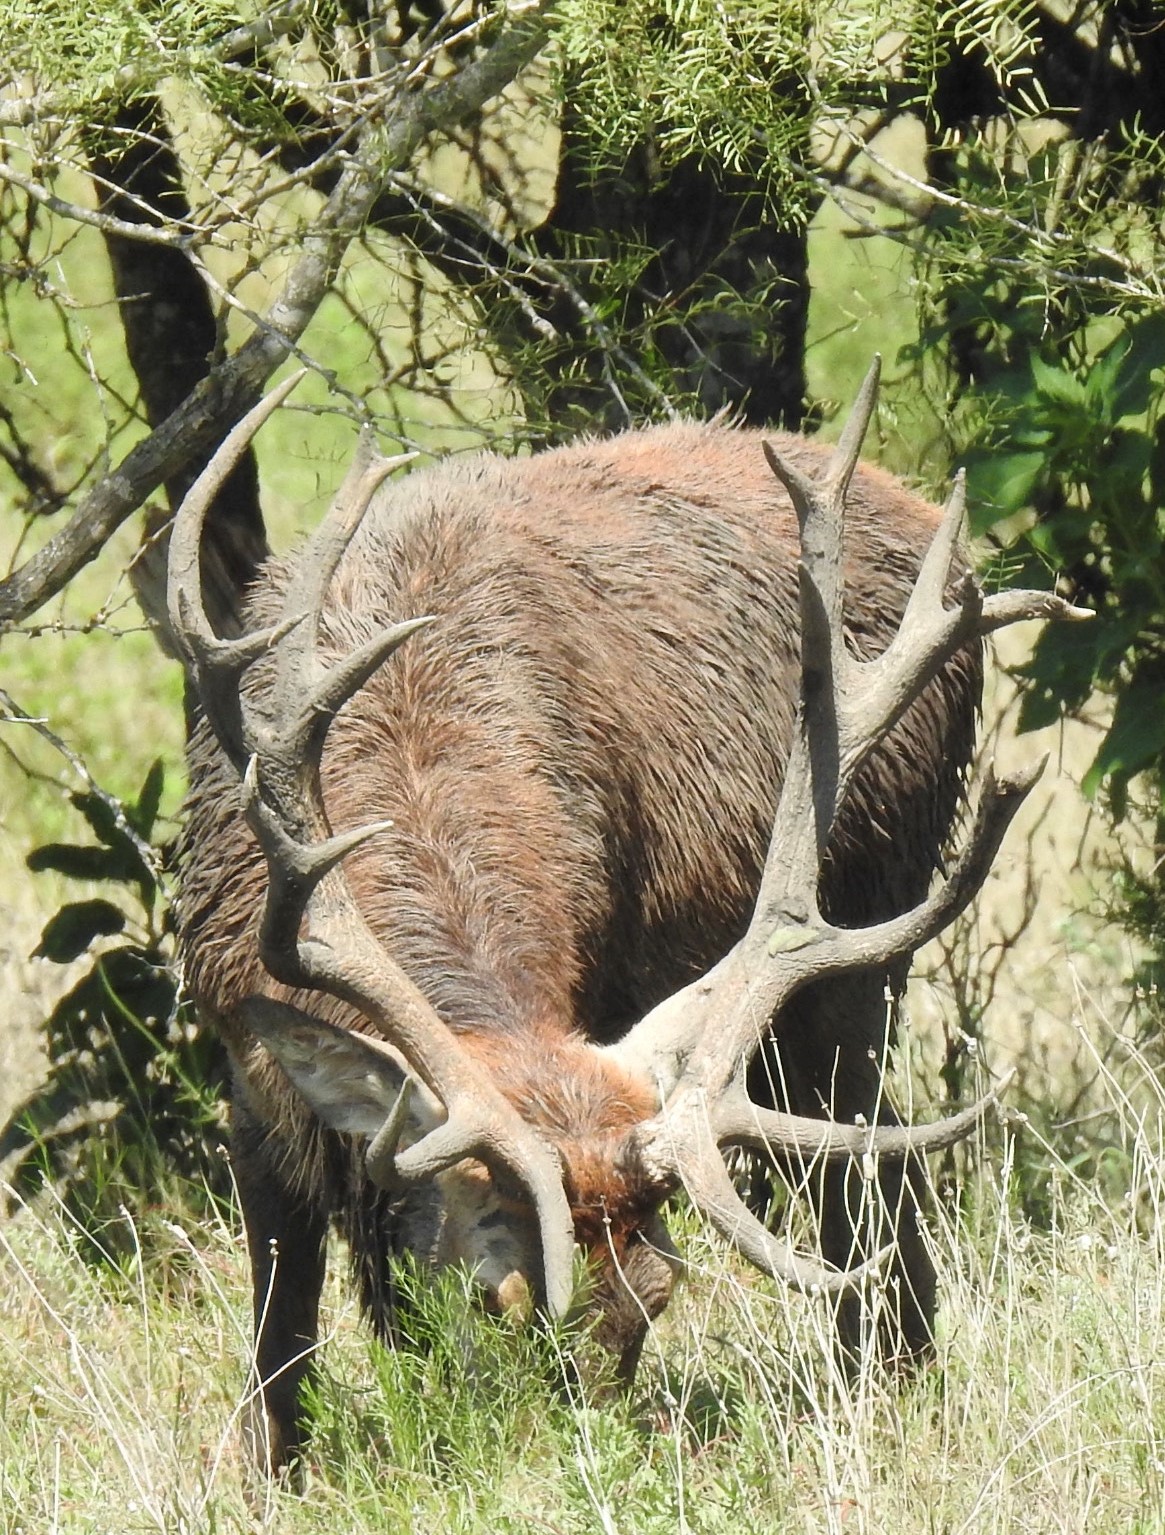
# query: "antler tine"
x,y
696,1164
813,788
770,972
1002,609
929,635
366,473
935,573
984,614
725,1211
216,664
305,698
295,867
820,506
184,602
305,695
737,1121
817,500
849,445
734,1120
349,675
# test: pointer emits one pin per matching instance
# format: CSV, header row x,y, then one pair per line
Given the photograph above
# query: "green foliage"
x,y
92,57
132,1100
1039,298
1042,316
1069,475
1080,439
692,77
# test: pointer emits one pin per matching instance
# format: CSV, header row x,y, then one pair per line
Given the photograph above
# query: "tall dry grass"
x,y
123,1382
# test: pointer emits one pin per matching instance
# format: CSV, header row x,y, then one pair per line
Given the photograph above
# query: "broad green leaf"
x,y
1100,387
1058,384
1136,738
1143,357
70,931
83,862
1123,475
1001,483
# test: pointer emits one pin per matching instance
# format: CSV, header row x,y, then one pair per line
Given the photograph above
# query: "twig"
x,y
549,274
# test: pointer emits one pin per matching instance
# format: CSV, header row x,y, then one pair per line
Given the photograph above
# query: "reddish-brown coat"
x,y
580,759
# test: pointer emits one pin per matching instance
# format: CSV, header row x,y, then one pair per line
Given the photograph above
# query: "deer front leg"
x,y
286,1236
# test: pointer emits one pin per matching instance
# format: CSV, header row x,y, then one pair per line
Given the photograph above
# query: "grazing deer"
x,y
512,935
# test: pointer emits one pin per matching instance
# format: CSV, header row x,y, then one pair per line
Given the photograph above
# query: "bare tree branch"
x,y
234,384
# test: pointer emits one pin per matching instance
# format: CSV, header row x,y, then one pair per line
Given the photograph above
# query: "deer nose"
x,y
514,1297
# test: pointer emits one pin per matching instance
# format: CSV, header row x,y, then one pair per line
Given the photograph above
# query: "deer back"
x,y
581,756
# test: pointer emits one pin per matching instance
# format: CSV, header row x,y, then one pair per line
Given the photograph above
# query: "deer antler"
x,y
275,740
698,1043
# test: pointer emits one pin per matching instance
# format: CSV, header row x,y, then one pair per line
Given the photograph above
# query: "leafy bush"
x,y
1068,479
132,1101
1081,441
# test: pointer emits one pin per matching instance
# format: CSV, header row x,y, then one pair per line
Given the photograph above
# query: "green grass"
x,y
122,1390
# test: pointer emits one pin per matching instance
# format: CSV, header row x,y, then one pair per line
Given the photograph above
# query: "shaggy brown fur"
x,y
581,760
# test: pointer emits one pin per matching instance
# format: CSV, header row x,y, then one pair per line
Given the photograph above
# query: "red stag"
x,y
634,831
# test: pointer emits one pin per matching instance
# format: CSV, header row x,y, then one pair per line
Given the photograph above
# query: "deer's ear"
x,y
352,1082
